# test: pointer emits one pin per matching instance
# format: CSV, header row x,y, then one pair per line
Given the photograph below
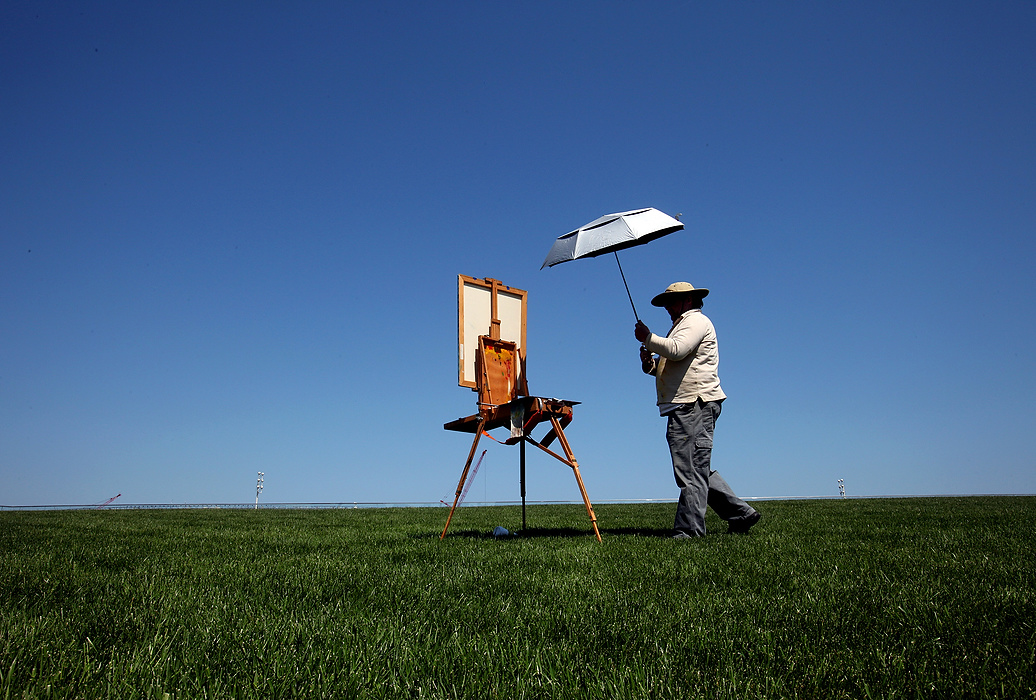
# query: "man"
x,y
689,395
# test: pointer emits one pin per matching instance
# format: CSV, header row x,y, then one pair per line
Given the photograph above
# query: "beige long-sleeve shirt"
x,y
687,366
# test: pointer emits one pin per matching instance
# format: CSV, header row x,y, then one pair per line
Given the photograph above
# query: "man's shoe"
x,y
742,525
680,535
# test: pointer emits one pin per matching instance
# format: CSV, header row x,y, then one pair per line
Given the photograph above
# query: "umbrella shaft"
x,y
616,254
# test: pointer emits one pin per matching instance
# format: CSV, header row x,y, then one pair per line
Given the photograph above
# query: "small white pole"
x,y
258,490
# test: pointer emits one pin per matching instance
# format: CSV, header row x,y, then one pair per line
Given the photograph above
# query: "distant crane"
x,y
472,479
108,501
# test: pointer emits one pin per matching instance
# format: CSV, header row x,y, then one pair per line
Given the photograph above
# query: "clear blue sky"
x,y
230,235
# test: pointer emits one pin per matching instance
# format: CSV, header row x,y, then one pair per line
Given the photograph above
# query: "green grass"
x,y
858,598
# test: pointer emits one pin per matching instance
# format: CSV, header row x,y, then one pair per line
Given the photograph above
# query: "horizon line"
x,y
348,505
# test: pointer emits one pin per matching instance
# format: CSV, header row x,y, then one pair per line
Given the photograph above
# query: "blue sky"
x,y
230,235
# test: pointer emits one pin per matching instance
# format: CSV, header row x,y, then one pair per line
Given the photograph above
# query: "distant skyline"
x,y
230,236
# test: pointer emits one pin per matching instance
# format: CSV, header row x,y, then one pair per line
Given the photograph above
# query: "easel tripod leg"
x,y
586,500
522,478
464,475
575,470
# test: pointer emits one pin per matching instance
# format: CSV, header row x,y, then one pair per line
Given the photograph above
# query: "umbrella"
x,y
610,234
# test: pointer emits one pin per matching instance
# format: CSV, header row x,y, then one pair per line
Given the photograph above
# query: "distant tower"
x,y
258,490
841,487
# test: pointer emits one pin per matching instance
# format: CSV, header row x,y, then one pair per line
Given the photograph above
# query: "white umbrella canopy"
x,y
611,233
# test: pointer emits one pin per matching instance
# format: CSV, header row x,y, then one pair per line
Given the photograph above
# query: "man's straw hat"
x,y
678,289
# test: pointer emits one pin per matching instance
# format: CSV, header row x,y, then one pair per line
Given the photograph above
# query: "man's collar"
x,y
683,316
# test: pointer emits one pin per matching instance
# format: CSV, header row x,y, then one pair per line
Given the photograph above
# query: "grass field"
x,y
835,599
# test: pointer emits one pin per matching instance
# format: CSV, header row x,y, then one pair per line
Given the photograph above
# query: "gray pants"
x,y
689,434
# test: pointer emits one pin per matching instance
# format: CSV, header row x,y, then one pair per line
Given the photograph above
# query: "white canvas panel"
x,y
476,319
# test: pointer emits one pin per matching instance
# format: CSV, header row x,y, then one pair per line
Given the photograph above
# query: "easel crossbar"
x,y
552,453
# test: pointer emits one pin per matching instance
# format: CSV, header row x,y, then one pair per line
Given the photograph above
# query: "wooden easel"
x,y
503,400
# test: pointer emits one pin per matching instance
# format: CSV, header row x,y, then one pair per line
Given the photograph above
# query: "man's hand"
x,y
647,360
641,331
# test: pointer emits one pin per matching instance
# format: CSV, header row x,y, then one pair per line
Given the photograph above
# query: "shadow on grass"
x,y
538,532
